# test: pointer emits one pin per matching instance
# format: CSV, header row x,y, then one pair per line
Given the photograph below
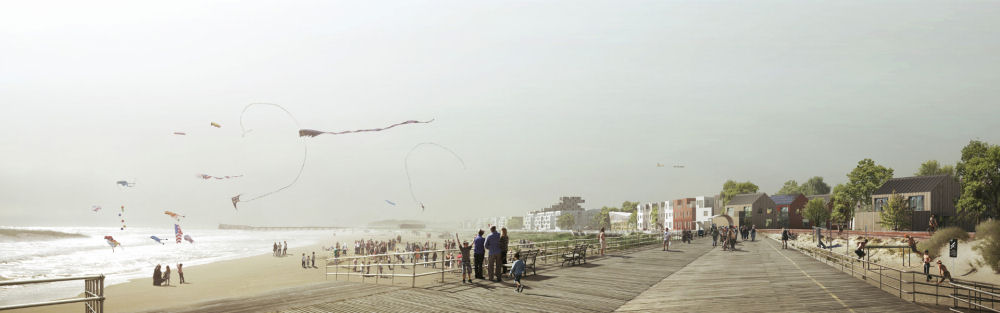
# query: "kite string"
x,y
406,165
305,149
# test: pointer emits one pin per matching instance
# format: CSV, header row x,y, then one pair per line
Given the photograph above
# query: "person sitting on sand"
x,y
157,278
166,276
180,272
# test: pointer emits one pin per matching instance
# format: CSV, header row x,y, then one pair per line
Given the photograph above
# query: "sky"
x,y
541,99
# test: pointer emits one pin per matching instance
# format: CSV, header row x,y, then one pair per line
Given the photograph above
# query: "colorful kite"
x,y
203,176
305,153
216,125
121,215
188,238
180,133
95,208
406,166
314,133
178,232
174,215
157,239
390,202
112,242
125,183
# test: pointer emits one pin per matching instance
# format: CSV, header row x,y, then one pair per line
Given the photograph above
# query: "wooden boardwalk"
x,y
761,277
691,278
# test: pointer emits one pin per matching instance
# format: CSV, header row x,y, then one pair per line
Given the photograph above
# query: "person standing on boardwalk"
x,y
600,239
504,245
466,264
732,239
493,245
479,253
927,264
784,238
666,238
715,236
942,270
753,233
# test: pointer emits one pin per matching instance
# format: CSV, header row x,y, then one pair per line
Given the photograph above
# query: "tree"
x,y
515,223
790,187
629,206
843,207
654,216
633,221
932,167
864,180
896,214
732,188
602,219
980,173
566,221
816,212
814,186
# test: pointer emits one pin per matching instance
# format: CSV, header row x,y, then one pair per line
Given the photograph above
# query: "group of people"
x,y
162,278
280,248
309,262
497,243
727,235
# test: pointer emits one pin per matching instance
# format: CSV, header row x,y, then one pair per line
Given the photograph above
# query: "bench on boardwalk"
x,y
577,256
528,256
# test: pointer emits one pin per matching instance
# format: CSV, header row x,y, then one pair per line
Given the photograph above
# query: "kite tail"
x,y
406,167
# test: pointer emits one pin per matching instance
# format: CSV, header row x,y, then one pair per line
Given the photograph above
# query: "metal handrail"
x,y
93,289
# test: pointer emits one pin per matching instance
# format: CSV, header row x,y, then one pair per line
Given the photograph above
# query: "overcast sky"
x,y
541,99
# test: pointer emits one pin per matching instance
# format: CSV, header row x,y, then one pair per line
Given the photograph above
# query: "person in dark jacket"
x,y
504,244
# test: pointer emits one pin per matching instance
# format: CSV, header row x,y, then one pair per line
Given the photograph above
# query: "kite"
x,y
188,238
203,176
122,216
157,239
216,125
178,232
112,242
305,153
180,133
390,202
174,215
125,183
95,208
406,167
678,166
314,133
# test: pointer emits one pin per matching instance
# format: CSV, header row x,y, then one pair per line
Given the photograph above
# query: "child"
x,y
517,269
465,250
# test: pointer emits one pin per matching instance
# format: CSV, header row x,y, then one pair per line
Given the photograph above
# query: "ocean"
x,y
47,252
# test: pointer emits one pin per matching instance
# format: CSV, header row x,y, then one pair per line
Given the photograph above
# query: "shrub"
x,y
941,238
988,233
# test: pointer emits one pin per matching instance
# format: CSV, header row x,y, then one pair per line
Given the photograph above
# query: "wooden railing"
x,y
93,293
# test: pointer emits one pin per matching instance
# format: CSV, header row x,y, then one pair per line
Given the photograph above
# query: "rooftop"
x,y
911,184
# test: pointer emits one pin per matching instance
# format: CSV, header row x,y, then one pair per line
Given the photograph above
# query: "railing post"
x,y
442,265
413,277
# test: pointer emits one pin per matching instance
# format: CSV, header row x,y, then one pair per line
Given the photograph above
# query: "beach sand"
x,y
244,277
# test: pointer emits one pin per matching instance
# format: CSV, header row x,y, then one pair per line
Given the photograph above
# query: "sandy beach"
x,y
243,277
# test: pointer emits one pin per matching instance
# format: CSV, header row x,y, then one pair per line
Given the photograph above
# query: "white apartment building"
x,y
703,211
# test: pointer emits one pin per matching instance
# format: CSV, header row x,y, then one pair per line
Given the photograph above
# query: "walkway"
x,y
761,277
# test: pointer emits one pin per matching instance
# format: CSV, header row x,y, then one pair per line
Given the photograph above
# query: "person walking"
x,y
504,245
753,233
784,238
303,260
715,236
479,252
493,245
600,239
932,225
666,239
927,264
517,270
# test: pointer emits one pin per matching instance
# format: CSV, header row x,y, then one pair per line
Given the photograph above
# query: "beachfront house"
x,y
703,212
684,214
789,209
548,218
751,209
925,195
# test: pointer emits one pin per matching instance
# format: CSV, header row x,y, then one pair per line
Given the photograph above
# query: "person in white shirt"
x,y
666,238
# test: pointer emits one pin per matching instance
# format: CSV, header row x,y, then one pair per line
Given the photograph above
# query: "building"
x,y
828,204
703,212
684,214
756,209
548,218
619,220
588,220
789,208
643,216
926,195
667,214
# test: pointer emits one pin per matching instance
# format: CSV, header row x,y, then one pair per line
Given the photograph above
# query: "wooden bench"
x,y
528,257
577,256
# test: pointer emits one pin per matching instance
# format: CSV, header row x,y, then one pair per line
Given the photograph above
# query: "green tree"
x,y
980,173
790,187
602,219
843,207
633,221
816,212
896,214
629,206
864,180
732,188
932,167
814,186
566,221
654,216
515,223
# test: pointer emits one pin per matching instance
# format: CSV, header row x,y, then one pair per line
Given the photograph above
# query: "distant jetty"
x,y
247,227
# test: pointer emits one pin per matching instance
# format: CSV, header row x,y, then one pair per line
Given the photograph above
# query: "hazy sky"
x,y
541,99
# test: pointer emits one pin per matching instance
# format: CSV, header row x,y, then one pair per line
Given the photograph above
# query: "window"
x,y
879,203
917,203
701,203
705,213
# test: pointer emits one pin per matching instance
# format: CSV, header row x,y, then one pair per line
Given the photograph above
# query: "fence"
x,y
93,293
964,295
362,266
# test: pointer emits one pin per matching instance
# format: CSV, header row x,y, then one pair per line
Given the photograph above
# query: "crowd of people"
x,y
727,235
280,248
162,277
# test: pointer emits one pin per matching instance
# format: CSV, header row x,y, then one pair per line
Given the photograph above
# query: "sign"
x,y
953,248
